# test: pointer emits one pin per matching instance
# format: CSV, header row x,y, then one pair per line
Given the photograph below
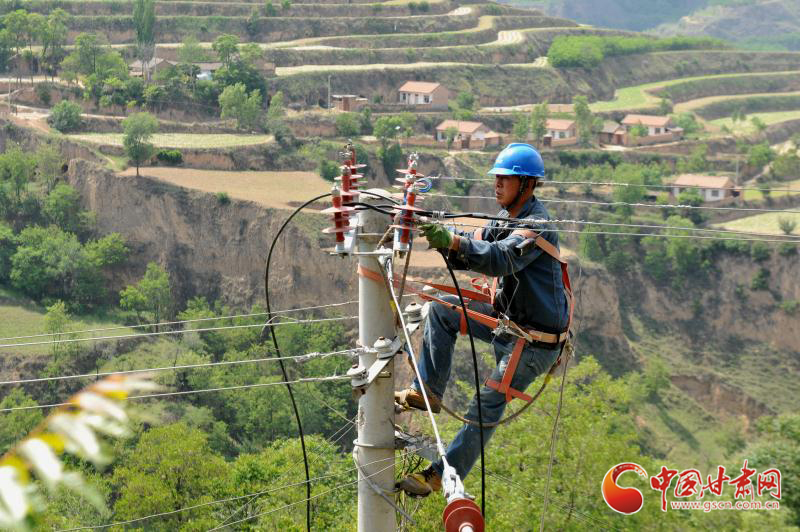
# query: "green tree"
x,y
251,53
590,244
151,294
144,20
664,106
16,26
656,259
697,161
632,175
463,106
687,122
760,155
684,252
779,447
18,168
8,245
65,116
759,124
691,198
585,120
56,323
190,51
638,131
786,166
138,129
51,262
171,467
48,165
235,102
53,39
347,125
787,225
450,135
109,251
539,116
18,423
521,126
227,48
62,207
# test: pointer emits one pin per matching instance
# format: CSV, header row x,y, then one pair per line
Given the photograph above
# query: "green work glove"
x,y
437,235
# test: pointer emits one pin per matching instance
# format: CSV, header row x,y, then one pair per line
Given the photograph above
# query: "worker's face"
x,y
505,189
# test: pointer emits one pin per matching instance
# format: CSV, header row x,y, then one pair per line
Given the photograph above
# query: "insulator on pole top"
x,y
340,217
405,218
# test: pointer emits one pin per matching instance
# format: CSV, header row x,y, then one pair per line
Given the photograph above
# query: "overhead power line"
x,y
189,392
218,501
298,358
184,331
622,203
608,184
657,235
177,322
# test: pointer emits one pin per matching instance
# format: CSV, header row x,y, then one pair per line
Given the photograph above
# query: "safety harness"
x,y
485,293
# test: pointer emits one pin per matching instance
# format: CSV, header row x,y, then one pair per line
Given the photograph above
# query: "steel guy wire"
x,y
423,391
298,358
178,322
657,235
273,510
184,331
609,184
622,203
188,392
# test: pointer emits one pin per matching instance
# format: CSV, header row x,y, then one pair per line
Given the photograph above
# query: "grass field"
x,y
742,128
755,195
766,223
272,189
22,317
180,140
638,96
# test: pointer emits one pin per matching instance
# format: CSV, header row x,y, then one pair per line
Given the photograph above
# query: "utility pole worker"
x,y
528,290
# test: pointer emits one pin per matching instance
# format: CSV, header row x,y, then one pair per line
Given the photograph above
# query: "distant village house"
x,y
469,135
348,102
423,95
655,130
560,133
138,68
709,187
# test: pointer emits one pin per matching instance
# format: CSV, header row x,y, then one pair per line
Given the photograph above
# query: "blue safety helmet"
x,y
519,159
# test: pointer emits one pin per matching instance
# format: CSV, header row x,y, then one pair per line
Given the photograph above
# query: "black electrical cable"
x,y
278,350
477,379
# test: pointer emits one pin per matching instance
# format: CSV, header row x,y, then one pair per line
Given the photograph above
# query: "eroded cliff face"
x,y
212,248
219,250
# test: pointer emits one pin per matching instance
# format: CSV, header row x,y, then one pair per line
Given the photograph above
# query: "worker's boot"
x,y
420,484
411,398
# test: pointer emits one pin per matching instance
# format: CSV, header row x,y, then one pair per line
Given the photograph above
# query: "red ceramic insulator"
x,y
340,215
462,515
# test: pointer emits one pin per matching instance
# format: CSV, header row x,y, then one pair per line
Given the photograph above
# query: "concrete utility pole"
x,y
375,444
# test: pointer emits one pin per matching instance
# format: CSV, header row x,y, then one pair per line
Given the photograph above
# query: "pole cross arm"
x,y
361,376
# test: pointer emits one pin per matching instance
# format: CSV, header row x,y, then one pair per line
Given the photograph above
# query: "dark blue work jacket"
x,y
530,290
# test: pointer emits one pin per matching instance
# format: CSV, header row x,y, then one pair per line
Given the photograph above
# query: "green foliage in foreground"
x,y
588,51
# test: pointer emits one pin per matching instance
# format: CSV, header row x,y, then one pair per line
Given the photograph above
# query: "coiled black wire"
x,y
477,381
277,347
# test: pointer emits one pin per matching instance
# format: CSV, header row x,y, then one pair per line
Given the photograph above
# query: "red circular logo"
x,y
623,500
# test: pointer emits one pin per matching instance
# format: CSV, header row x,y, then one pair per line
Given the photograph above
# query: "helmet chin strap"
x,y
523,184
